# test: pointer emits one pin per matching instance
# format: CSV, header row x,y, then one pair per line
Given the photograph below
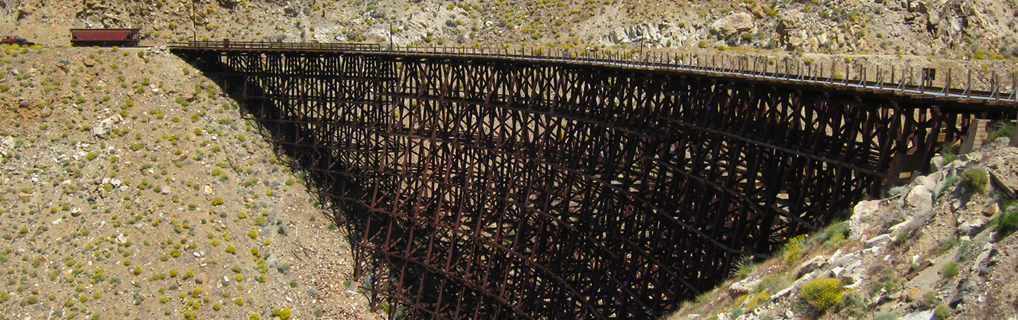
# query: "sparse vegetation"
x,y
976,179
822,293
122,212
950,269
1006,223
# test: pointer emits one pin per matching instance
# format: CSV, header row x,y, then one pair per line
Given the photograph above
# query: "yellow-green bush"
x,y
821,293
757,300
976,179
793,249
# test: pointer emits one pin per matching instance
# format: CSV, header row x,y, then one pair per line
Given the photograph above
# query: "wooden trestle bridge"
x,y
483,184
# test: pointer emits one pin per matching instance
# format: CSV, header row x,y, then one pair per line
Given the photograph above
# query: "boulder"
x,y
733,24
877,241
31,103
43,164
790,20
618,35
862,213
920,197
103,127
740,288
991,210
810,265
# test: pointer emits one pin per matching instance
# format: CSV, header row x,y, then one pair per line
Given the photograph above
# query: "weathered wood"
x,y
496,187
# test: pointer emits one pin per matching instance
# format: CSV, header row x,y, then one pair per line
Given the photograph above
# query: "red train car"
x,y
105,37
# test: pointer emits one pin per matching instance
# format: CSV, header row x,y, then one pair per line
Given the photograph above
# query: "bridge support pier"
x,y
976,136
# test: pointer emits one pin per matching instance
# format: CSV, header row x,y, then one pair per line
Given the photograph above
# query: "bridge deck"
x,y
902,84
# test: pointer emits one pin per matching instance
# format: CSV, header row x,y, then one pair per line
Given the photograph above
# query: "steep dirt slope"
x,y
131,189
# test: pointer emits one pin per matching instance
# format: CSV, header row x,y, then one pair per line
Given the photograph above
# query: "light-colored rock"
x,y
862,213
733,24
971,156
810,265
781,293
991,210
964,229
938,161
43,164
848,279
921,315
791,19
837,271
981,257
851,267
877,241
920,197
843,260
924,181
742,287
104,126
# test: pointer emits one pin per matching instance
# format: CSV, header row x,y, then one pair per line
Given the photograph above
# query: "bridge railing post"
x,y
880,78
922,83
946,90
834,71
968,86
1014,86
995,85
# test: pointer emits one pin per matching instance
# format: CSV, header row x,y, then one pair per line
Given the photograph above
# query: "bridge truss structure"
x,y
482,185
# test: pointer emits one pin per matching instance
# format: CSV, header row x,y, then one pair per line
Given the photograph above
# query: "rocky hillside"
x,y
131,189
941,247
981,29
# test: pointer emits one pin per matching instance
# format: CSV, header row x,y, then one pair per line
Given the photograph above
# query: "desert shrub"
x,y
928,301
949,152
822,293
1006,223
942,312
976,180
854,302
950,269
833,236
1001,129
886,316
743,266
757,300
771,283
794,249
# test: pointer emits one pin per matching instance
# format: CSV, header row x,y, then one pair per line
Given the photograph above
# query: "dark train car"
x,y
105,37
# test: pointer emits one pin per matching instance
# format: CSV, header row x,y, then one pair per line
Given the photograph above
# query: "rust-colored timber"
x,y
484,186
